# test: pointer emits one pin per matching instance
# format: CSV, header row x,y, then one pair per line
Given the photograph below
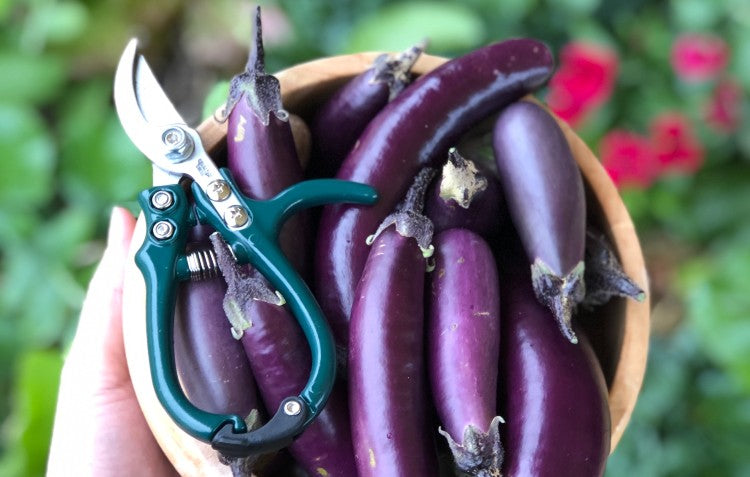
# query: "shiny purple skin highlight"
x,y
463,347
261,152
280,358
213,368
414,130
553,395
388,398
340,121
544,191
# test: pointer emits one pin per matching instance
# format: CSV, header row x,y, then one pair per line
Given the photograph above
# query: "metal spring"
x,y
202,264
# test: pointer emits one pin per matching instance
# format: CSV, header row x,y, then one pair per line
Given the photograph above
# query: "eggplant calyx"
x,y
244,285
559,294
604,275
460,181
408,218
262,91
395,70
480,453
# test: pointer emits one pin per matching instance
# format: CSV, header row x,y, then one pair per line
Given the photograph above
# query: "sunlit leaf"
x,y
447,26
30,426
29,78
54,22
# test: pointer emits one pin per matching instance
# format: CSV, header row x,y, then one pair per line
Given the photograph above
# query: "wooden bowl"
x,y
619,332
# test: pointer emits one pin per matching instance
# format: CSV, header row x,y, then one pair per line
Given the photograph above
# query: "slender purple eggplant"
x,y
604,275
544,191
553,394
387,383
414,130
466,195
280,360
340,121
463,347
261,151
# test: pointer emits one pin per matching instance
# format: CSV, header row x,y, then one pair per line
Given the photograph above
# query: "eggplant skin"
x,y
387,384
463,335
415,130
553,394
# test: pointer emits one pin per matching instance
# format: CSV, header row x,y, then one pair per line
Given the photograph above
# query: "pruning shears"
x,y
250,228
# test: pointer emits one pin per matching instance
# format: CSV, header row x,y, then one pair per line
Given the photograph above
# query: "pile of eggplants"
x,y
452,299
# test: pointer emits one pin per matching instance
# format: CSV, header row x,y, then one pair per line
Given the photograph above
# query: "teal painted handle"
x,y
160,261
157,260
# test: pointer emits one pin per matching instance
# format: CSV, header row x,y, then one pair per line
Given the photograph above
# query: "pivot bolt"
x,y
179,143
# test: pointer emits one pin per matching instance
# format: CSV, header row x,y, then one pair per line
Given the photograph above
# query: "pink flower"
x,y
628,159
699,57
724,110
584,80
674,144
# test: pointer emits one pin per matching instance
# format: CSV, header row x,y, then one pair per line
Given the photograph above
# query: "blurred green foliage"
x,y
66,161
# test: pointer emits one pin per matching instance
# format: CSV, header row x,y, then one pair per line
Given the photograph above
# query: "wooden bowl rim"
x,y
192,457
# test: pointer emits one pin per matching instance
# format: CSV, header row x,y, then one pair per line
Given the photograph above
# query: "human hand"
x,y
99,427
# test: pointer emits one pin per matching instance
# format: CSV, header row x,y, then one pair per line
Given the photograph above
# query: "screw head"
x,y
218,190
292,408
179,143
236,216
162,230
162,199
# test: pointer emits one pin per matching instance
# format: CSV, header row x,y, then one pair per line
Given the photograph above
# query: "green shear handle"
x,y
254,241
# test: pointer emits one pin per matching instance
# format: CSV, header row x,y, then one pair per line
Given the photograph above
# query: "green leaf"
x,y
28,157
55,22
216,98
29,78
100,165
29,428
449,27
691,15
716,293
578,7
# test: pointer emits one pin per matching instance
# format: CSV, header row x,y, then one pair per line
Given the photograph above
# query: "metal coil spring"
x,y
202,264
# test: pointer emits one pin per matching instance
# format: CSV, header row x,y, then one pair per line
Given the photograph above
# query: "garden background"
x,y
658,89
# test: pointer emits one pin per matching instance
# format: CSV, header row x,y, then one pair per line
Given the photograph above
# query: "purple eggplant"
x,y
280,360
463,346
544,191
261,151
553,395
466,195
340,121
414,130
387,382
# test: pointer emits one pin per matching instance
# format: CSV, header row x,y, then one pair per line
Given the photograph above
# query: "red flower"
x,y
628,158
697,57
674,144
584,80
724,110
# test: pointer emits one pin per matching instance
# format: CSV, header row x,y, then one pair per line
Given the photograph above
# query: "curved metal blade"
x,y
143,108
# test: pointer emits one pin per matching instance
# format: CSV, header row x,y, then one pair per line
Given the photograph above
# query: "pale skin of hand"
x,y
99,427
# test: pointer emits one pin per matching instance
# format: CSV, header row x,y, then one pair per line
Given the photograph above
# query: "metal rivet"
x,y
292,408
162,230
236,216
218,190
162,199
178,142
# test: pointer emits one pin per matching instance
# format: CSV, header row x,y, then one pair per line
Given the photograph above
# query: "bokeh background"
x,y
657,88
